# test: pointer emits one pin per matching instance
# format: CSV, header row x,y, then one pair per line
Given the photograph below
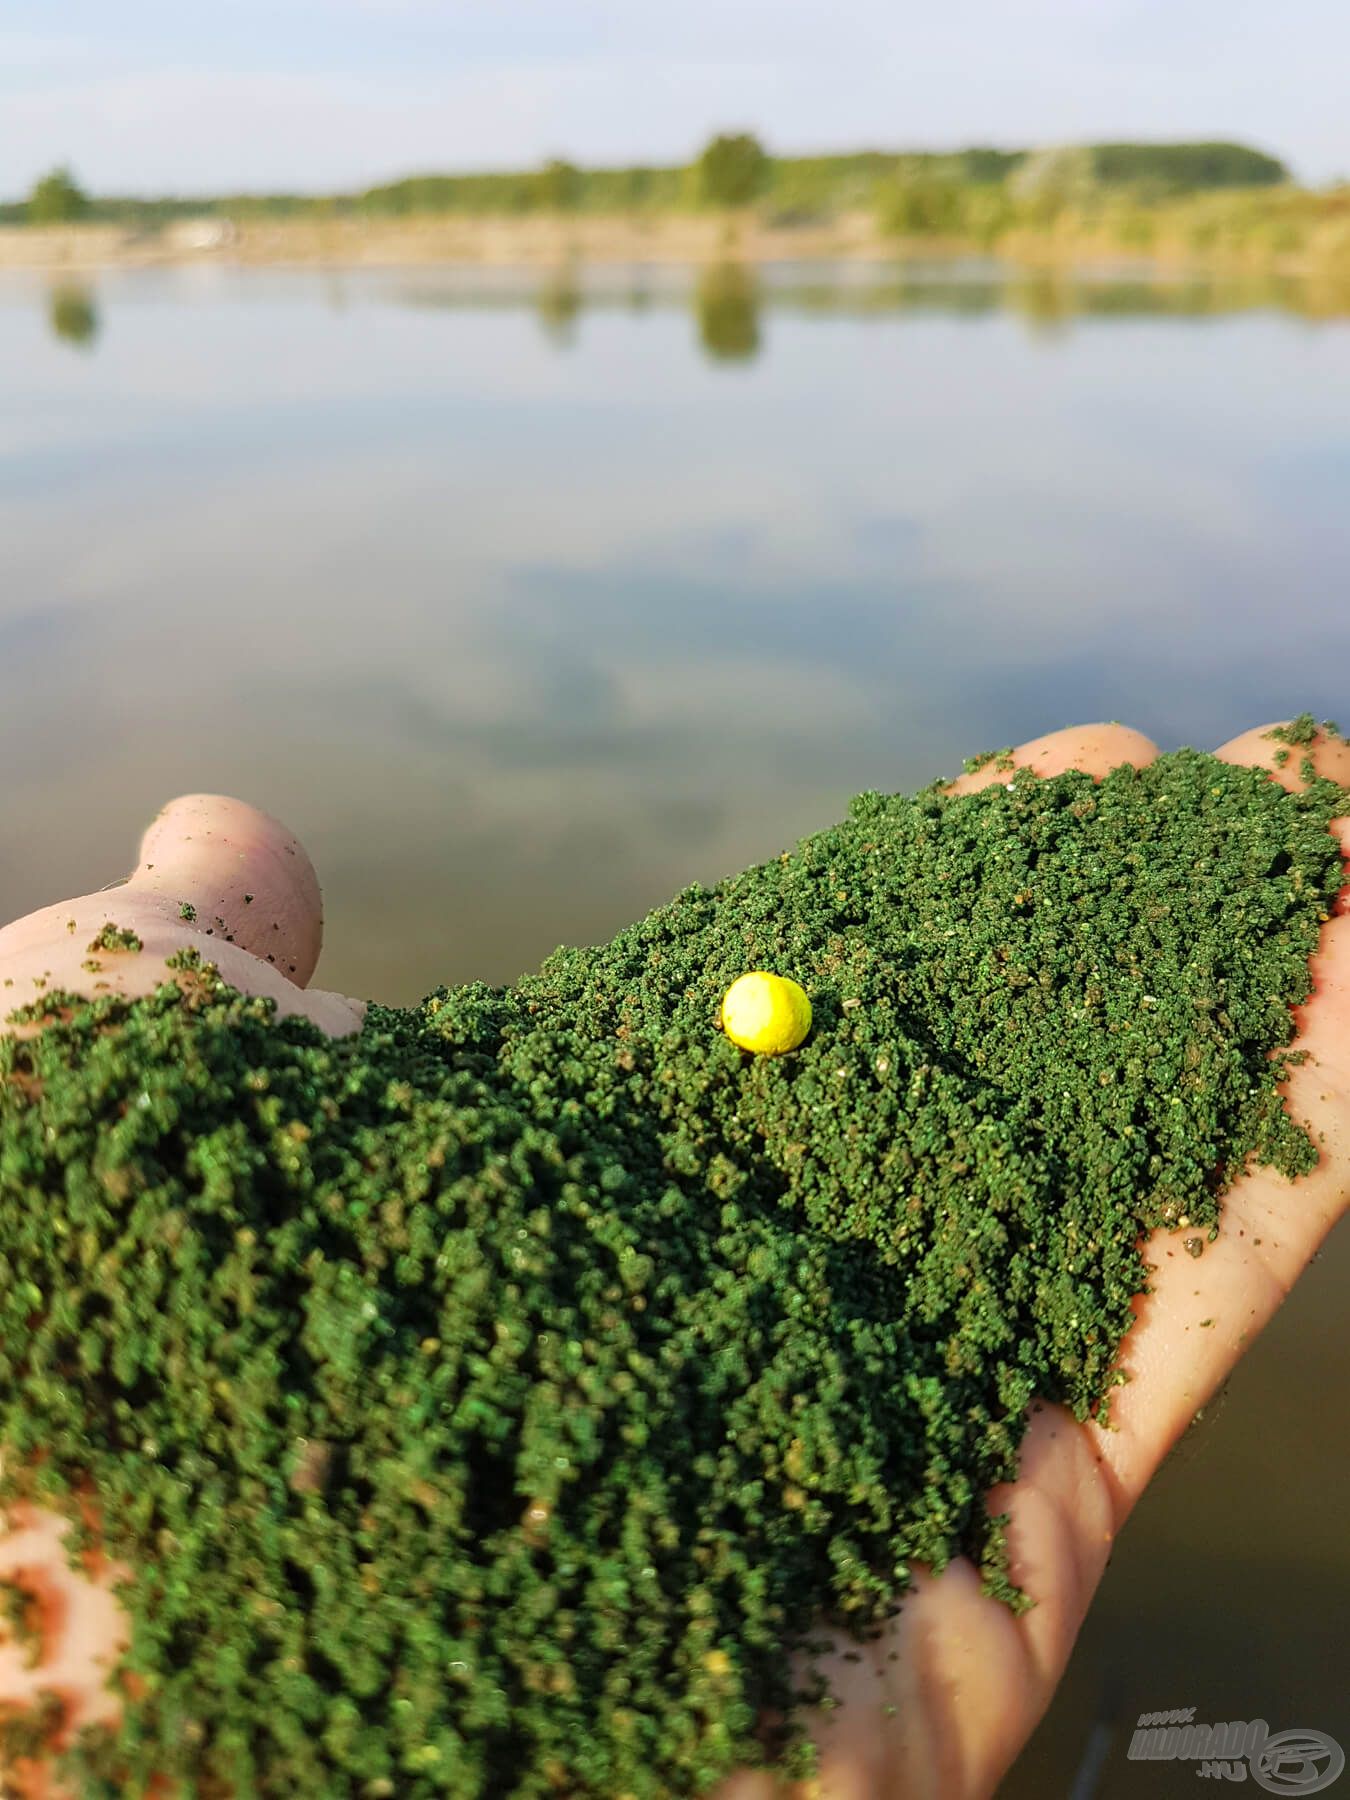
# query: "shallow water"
x,y
528,599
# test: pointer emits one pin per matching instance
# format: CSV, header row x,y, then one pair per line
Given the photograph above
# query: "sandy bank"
x,y
393,243
571,241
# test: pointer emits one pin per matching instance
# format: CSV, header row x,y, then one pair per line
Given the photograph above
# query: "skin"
x,y
941,1705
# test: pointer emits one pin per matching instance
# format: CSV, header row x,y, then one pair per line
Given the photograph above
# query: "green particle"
x,y
29,1729
187,911
1002,760
490,1403
1304,730
114,938
20,1621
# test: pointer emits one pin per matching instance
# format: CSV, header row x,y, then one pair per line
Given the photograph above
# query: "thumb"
x,y
214,875
237,874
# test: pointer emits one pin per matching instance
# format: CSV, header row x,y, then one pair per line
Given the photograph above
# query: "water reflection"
x,y
523,643
730,299
558,302
726,302
551,600
1046,302
72,315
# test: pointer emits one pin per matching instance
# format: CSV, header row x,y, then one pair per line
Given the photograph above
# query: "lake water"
x,y
527,600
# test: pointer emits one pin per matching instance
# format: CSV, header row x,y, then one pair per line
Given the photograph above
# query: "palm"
x,y
969,1681
945,1700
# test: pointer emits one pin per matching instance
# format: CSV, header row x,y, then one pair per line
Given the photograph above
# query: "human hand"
x,y
970,1680
212,874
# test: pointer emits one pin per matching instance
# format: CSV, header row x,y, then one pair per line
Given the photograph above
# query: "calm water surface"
x,y
528,600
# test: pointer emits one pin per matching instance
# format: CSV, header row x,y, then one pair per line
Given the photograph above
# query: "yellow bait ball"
x,y
766,1013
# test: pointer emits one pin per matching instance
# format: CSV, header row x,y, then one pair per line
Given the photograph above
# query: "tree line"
x,y
931,193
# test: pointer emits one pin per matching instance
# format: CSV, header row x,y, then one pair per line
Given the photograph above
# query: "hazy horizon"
x,y
391,177
343,94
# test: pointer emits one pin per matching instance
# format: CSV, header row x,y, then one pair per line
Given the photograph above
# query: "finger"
x,y
242,873
215,876
1095,749
1329,756
75,1631
50,958
938,1706
1204,1311
941,1704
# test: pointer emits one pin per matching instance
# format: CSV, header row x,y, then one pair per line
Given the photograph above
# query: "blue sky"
x,y
163,95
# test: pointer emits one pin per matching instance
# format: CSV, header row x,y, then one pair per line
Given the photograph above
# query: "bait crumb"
x,y
115,938
20,1621
492,1402
1002,760
25,1731
1304,730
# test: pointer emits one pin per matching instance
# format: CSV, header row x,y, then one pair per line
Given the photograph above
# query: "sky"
x,y
155,96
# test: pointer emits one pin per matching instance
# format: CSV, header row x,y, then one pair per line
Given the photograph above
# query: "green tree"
x,y
923,205
732,170
56,200
1185,168
1052,180
987,213
558,186
635,187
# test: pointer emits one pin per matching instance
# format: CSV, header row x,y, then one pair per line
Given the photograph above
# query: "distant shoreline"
x,y
545,242
566,241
